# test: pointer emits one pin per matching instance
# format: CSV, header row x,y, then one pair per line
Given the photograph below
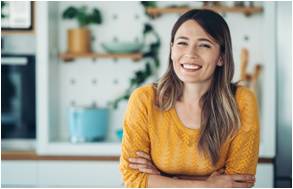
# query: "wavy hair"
x,y
220,115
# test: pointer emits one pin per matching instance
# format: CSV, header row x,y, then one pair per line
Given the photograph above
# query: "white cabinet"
x,y
79,174
19,173
84,174
60,174
264,176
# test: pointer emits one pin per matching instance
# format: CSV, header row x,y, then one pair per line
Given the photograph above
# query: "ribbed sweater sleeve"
x,y
135,138
244,148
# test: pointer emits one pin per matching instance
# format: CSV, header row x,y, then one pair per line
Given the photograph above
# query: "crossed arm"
x,y
144,164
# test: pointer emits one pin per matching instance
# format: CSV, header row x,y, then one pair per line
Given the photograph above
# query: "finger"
x,y
215,173
138,160
143,154
221,171
137,166
243,178
242,185
142,161
150,171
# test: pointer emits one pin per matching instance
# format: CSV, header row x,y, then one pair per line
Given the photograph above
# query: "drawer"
x,y
79,174
18,173
264,175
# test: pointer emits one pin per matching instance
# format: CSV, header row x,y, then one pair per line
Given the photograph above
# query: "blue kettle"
x,y
88,124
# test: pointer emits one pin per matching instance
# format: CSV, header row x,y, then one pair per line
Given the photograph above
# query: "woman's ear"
x,y
220,62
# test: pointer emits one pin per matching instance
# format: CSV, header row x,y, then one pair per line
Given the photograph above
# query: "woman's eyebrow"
x,y
199,39
182,37
205,39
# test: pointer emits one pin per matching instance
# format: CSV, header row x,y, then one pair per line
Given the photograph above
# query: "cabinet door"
x,y
18,173
264,176
79,174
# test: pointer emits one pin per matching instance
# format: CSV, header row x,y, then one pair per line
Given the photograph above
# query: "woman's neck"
x,y
192,92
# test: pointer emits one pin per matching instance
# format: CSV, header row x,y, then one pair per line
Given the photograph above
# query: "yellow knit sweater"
x,y
173,147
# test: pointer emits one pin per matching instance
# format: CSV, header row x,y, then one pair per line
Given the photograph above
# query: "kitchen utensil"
x,y
243,63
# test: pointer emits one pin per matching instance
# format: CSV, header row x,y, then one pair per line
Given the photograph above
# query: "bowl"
x,y
122,47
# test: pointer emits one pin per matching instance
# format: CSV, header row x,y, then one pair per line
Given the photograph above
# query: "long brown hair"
x,y
219,117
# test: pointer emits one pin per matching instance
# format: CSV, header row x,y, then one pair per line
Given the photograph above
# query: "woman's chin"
x,y
187,80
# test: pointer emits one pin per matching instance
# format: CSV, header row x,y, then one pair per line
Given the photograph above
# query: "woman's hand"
x,y
190,177
216,180
143,163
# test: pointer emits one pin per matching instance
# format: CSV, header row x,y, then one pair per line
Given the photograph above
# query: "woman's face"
x,y
194,53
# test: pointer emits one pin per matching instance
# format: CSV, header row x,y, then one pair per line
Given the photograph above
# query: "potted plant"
x,y
78,39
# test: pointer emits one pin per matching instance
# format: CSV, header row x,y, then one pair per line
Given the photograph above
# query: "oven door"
x,y
18,100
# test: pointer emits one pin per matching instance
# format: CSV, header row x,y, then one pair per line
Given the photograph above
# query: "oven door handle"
x,y
18,61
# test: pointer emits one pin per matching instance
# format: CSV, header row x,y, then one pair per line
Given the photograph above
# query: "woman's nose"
x,y
192,52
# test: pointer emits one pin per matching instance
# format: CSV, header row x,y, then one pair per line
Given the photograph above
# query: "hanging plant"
x,y
152,63
3,4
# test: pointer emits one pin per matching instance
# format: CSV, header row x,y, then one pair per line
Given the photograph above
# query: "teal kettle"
x,y
88,124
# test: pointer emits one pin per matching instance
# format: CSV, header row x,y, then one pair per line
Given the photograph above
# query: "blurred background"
x,y
68,68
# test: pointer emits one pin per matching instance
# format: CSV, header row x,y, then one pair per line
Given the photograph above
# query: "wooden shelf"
x,y
70,56
31,155
220,9
15,32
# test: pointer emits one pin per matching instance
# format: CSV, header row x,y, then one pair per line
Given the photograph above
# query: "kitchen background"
x,y
68,87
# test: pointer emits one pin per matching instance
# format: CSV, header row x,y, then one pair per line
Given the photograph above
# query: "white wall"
x,y
127,26
112,77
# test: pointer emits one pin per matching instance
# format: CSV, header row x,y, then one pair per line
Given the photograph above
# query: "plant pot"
x,y
78,40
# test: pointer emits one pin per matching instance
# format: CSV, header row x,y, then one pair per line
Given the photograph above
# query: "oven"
x,y
18,101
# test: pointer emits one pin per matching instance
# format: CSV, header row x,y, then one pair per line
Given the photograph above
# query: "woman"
x,y
193,128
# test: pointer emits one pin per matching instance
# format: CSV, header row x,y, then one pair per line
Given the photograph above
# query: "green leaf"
x,y
83,17
147,28
70,13
96,17
149,4
157,62
148,70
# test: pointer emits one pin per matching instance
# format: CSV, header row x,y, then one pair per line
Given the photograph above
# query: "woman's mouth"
x,y
191,67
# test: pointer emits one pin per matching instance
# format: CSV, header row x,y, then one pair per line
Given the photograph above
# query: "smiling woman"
x,y
194,127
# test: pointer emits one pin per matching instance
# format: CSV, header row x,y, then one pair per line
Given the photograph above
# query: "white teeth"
x,y
191,66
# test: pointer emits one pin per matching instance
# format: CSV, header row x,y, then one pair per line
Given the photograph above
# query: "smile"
x,y
191,67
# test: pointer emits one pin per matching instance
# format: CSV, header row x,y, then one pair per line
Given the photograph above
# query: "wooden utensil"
x,y
244,55
257,71
255,76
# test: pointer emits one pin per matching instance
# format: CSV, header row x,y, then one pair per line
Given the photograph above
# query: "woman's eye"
x,y
182,43
205,46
